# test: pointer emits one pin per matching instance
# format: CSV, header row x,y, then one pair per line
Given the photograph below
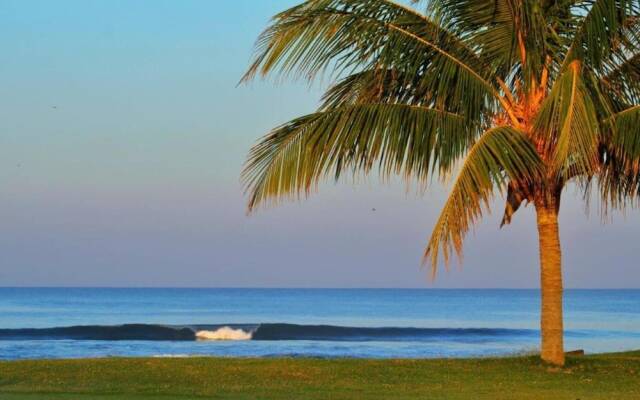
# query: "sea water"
x,y
379,323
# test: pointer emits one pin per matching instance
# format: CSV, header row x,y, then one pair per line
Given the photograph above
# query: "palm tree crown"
x,y
518,97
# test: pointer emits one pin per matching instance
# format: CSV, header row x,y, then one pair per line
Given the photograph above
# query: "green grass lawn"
x,y
608,376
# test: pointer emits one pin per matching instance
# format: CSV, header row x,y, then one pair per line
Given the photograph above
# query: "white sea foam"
x,y
224,333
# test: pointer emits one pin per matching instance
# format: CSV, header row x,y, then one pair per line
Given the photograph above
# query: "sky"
x,y
122,135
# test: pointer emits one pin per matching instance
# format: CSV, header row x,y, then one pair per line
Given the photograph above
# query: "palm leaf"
x,y
378,86
618,179
601,31
623,80
501,154
313,34
626,135
398,138
514,37
567,124
348,37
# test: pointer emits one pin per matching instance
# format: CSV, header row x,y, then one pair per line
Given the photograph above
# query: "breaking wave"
x,y
268,331
224,333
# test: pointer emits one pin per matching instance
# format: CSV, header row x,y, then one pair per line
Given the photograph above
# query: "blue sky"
x,y
122,136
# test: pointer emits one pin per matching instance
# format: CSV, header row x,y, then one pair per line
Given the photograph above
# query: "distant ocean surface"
x,y
380,323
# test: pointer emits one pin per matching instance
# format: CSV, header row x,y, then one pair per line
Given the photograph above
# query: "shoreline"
x,y
602,376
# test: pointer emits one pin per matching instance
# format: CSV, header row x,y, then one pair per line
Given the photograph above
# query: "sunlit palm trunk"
x,y
551,282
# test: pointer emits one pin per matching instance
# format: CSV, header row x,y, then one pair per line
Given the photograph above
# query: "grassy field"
x,y
609,376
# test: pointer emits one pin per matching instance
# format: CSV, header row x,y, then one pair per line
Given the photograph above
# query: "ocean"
x,y
379,323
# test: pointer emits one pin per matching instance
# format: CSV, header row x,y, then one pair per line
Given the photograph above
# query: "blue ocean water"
x,y
100,322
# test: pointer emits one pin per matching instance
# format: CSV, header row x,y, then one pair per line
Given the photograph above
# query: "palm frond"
x,y
501,154
623,80
567,124
311,35
601,30
618,180
515,37
626,135
517,193
377,86
398,138
347,37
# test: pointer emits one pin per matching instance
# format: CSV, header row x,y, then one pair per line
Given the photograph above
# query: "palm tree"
x,y
518,97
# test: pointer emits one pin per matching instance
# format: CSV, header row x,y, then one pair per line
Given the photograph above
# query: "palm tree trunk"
x,y
552,350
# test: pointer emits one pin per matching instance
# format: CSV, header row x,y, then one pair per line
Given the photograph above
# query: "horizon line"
x,y
300,288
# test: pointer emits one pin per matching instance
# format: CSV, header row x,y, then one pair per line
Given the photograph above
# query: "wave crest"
x,y
224,333
267,331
